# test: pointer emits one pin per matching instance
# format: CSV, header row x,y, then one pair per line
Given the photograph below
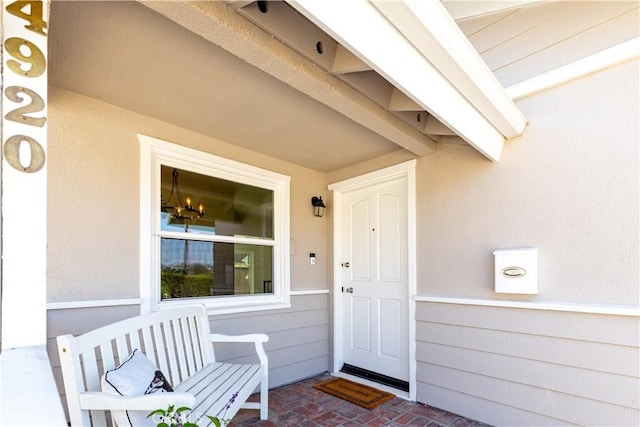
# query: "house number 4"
x,y
27,61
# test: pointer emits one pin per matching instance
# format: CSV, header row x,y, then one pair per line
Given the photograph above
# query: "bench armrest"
x,y
257,339
148,402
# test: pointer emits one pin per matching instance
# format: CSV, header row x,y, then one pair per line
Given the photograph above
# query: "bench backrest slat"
x,y
183,325
168,343
161,357
134,339
108,361
178,345
176,340
122,348
147,344
92,380
193,328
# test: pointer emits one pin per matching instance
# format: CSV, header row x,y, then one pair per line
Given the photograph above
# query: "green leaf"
x,y
214,420
188,424
182,409
157,412
163,425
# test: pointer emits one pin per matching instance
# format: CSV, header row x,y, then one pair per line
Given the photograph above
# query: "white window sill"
x,y
225,306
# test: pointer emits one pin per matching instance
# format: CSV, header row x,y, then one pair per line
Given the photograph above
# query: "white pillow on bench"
x,y
136,376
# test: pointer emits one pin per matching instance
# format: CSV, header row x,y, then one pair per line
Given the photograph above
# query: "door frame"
x,y
403,170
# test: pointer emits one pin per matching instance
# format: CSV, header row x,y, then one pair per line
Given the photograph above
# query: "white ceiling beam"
x,y
346,62
426,24
386,50
223,26
238,4
465,9
433,126
401,102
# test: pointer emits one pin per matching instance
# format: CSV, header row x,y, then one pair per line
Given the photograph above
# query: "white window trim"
x,y
153,153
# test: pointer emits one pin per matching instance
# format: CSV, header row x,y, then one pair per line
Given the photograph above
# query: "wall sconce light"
x,y
318,206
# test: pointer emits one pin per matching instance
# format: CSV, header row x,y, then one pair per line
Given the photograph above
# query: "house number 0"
x,y
27,61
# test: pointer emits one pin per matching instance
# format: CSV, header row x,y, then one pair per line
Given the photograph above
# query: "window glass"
x,y
192,268
201,204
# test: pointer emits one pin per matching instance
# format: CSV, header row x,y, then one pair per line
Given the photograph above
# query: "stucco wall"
x,y
93,207
569,186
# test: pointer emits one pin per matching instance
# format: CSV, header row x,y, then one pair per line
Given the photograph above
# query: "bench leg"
x,y
264,398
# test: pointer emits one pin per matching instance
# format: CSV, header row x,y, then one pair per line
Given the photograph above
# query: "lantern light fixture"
x,y
318,206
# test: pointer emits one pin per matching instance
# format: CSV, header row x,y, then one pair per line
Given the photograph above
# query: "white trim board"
x,y
309,292
116,302
548,306
591,64
416,75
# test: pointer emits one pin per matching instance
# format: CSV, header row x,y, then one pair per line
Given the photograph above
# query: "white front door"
x,y
374,279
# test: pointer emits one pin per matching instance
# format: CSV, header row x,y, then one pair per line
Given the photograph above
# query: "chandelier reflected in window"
x,y
180,208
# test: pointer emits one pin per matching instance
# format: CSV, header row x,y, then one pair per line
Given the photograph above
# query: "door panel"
x,y
390,342
359,253
375,300
390,238
361,321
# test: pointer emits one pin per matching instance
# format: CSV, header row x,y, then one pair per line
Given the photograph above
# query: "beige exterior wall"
x,y
93,206
569,186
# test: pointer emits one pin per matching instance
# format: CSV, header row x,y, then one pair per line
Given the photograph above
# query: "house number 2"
x,y
27,61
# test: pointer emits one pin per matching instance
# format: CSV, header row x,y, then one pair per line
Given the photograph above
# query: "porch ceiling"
x,y
226,70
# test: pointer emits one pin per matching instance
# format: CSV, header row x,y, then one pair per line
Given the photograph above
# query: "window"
x,y
213,231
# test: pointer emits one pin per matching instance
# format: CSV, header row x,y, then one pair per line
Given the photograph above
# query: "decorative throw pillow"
x,y
136,376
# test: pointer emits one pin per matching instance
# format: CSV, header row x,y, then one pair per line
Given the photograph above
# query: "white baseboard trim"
x,y
596,62
65,305
309,292
614,310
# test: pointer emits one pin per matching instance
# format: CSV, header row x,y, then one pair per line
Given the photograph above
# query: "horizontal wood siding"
x,y
512,366
298,344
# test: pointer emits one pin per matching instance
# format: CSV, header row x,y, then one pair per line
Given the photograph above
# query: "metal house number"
x,y
28,62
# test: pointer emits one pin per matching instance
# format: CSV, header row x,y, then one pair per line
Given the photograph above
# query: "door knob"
x,y
349,290
345,264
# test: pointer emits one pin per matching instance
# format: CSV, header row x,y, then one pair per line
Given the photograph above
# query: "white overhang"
x,y
417,46
223,26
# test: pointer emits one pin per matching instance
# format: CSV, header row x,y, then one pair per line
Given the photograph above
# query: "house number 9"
x,y
35,58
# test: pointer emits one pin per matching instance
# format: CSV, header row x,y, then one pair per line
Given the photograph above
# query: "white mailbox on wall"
x,y
516,271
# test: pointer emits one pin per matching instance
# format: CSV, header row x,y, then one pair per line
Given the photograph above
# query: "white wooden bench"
x,y
180,344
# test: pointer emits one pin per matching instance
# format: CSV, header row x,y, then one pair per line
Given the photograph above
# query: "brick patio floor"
x,y
301,405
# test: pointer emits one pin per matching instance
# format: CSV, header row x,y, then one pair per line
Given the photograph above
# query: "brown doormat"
x,y
361,395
